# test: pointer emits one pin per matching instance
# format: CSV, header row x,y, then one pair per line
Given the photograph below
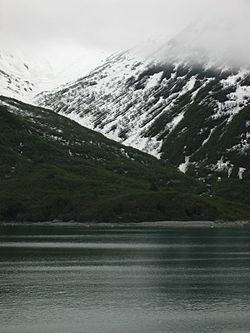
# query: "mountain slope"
x,y
23,76
52,168
178,108
16,79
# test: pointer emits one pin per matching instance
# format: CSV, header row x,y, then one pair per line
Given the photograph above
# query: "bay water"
x,y
73,279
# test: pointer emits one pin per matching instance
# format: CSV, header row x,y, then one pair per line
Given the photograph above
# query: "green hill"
x,y
52,168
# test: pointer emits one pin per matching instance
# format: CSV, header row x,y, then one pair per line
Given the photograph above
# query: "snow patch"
x,y
241,173
184,166
153,80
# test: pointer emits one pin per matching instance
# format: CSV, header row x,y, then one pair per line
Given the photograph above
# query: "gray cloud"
x,y
111,25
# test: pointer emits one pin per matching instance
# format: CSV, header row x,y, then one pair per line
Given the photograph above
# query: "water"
x,y
73,280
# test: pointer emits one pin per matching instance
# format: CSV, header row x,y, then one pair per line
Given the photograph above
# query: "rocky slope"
x,y
178,103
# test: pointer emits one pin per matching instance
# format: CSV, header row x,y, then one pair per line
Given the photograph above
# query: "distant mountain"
x,y
22,77
16,79
52,168
180,103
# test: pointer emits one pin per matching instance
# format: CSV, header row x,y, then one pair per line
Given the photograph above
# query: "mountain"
x,y
179,102
53,168
23,77
16,79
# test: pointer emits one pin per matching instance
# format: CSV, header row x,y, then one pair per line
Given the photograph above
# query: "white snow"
x,y
175,122
85,122
149,145
236,100
241,173
184,166
209,136
189,86
230,170
153,80
222,166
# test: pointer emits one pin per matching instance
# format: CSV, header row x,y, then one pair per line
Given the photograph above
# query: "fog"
x,y
58,28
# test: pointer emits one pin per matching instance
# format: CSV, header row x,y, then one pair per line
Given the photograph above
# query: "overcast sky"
x,y
64,30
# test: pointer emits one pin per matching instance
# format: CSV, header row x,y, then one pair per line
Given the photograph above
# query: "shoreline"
x,y
159,224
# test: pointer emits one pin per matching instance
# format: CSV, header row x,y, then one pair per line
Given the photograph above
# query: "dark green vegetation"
x,y
52,168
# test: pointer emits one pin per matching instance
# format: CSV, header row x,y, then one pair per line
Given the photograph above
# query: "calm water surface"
x,y
73,280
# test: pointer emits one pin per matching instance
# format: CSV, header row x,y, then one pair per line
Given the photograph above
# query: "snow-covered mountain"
x,y
179,102
23,77
185,101
16,79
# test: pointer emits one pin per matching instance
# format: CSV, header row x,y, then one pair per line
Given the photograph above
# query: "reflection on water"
x,y
72,280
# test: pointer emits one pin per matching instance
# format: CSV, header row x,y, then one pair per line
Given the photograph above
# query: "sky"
x,y
69,32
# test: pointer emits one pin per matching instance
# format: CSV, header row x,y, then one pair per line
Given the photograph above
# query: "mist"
x,y
107,26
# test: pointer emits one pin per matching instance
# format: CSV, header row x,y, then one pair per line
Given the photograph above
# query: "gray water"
x,y
124,280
